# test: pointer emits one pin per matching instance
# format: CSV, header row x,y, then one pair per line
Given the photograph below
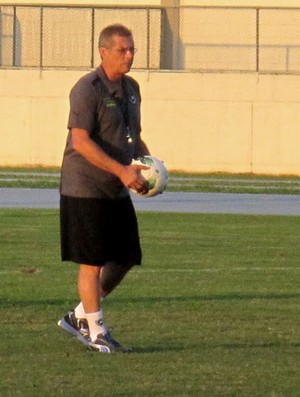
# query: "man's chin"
x,y
127,68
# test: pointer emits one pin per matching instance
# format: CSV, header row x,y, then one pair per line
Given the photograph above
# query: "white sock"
x,y
96,325
79,311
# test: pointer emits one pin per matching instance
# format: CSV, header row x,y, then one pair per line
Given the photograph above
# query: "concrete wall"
x,y
186,38
209,3
195,122
201,122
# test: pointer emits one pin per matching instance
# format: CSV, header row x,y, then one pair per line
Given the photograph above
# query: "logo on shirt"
x,y
132,99
110,102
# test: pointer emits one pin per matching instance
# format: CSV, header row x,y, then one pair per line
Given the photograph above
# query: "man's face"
x,y
118,58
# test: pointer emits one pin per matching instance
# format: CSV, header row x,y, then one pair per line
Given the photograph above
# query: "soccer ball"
x,y
156,176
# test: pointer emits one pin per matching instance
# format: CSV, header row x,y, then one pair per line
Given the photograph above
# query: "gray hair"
x,y
106,35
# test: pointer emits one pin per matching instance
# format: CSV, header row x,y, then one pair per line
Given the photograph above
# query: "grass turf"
x,y
213,311
39,177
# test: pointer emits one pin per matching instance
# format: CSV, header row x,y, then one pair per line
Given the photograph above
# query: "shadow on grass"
x,y
209,346
204,298
257,345
157,349
5,303
11,303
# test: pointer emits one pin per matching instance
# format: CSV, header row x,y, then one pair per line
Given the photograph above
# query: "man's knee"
x,y
89,270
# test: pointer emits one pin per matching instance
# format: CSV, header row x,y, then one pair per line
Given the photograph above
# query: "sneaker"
x,y
107,341
75,326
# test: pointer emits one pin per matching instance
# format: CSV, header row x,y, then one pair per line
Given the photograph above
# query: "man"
x,y
99,228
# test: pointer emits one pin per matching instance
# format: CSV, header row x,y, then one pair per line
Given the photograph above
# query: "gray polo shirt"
x,y
110,112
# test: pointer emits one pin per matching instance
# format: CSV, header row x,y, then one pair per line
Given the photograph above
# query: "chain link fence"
x,y
215,39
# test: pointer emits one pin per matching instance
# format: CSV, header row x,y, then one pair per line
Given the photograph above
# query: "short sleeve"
x,y
82,106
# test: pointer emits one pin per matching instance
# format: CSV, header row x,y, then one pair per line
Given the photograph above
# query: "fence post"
x,y
170,38
257,40
14,41
41,35
92,38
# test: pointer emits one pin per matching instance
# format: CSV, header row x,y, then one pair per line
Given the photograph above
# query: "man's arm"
x,y
129,175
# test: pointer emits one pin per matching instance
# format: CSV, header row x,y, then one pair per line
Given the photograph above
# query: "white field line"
x,y
219,270
174,181
19,173
172,178
205,270
183,270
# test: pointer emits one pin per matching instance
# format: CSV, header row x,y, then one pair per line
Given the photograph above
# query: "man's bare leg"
x,y
94,282
89,292
88,287
111,275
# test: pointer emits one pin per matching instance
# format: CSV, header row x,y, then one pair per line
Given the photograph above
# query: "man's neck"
x,y
111,76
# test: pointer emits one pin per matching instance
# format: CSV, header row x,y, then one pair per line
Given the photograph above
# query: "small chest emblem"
x,y
132,99
109,102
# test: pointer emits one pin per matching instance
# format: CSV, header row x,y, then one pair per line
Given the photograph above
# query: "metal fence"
x,y
265,40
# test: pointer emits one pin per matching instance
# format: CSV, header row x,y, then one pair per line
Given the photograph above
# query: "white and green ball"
x,y
157,175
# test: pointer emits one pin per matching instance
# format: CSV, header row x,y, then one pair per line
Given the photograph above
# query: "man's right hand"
x,y
133,178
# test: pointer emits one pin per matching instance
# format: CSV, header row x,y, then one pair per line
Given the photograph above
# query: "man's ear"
x,y
102,52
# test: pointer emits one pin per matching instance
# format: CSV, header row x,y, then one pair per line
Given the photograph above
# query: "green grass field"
x,y
212,312
227,183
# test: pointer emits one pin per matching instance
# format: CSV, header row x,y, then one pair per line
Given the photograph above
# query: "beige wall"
x,y
211,3
241,3
193,121
122,3
202,122
194,38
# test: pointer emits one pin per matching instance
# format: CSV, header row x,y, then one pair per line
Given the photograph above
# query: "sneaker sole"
x,y
112,349
99,348
66,327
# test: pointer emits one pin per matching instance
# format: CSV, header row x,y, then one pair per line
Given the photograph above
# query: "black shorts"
x,y
97,231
